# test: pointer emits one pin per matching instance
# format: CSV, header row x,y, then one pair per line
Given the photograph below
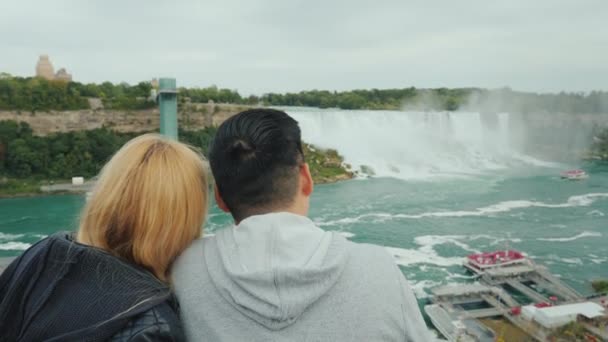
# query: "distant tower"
x,y
168,107
44,68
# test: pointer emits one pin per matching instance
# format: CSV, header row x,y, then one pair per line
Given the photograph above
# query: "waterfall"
x,y
413,145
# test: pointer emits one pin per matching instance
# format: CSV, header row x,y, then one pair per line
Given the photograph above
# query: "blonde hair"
x,y
149,203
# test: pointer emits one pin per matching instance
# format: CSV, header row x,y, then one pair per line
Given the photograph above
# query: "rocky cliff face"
x,y
190,116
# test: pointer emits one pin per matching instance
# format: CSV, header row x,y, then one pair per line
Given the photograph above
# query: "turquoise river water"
x,y
427,226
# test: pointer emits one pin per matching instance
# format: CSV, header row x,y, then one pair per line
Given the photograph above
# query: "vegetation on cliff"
x,y
15,187
38,94
63,155
572,332
35,94
326,166
26,160
600,286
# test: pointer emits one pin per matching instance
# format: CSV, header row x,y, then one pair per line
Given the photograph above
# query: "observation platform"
x,y
506,281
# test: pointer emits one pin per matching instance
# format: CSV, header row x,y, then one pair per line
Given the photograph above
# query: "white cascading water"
x,y
412,145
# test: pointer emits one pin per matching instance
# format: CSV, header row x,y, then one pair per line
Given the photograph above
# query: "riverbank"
x,y
30,187
10,188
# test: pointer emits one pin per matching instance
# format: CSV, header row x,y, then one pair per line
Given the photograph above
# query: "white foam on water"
x,y
342,221
408,257
16,220
587,199
572,238
14,246
571,261
495,240
576,261
9,237
426,253
460,276
429,241
419,288
500,207
598,260
596,213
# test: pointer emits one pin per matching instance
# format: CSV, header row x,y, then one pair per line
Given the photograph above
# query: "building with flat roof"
x,y
555,316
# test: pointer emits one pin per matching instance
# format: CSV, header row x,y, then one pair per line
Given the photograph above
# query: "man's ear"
x,y
219,200
306,182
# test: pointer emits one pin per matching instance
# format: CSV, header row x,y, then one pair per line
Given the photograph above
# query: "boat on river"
x,y
577,174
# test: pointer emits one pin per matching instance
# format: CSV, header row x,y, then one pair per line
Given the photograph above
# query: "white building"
x,y
77,180
554,316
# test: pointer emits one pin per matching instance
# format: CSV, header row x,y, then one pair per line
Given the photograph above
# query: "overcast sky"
x,y
282,45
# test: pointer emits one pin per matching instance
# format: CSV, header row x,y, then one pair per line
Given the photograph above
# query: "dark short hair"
x,y
255,159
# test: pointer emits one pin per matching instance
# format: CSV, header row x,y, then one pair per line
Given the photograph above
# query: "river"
x,y
435,197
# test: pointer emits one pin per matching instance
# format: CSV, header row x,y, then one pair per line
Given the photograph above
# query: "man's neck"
x,y
292,210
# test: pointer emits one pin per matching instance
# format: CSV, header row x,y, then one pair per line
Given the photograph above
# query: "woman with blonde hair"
x,y
110,281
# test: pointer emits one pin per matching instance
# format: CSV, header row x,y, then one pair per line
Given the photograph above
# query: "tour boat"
x,y
497,258
480,263
574,174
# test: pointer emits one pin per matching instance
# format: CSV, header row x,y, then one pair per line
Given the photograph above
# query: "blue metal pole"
x,y
168,107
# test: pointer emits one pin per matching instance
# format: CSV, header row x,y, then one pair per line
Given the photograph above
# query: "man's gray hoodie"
x,y
278,277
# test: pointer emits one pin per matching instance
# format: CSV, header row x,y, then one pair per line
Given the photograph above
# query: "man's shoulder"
x,y
370,253
193,255
372,263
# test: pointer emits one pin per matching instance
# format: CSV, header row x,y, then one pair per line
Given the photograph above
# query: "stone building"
x,y
44,69
63,75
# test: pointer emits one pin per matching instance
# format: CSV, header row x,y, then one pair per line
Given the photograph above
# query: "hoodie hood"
x,y
272,267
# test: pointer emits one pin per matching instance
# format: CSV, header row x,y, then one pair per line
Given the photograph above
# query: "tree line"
x,y
35,94
64,155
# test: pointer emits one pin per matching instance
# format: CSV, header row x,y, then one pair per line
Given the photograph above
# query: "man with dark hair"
x,y
275,276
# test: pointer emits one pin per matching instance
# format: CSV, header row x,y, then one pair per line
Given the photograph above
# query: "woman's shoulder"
x,y
160,323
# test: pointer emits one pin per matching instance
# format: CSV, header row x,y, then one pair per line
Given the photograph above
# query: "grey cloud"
x,y
272,45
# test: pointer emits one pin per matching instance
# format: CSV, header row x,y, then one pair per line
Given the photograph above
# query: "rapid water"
x,y
457,183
